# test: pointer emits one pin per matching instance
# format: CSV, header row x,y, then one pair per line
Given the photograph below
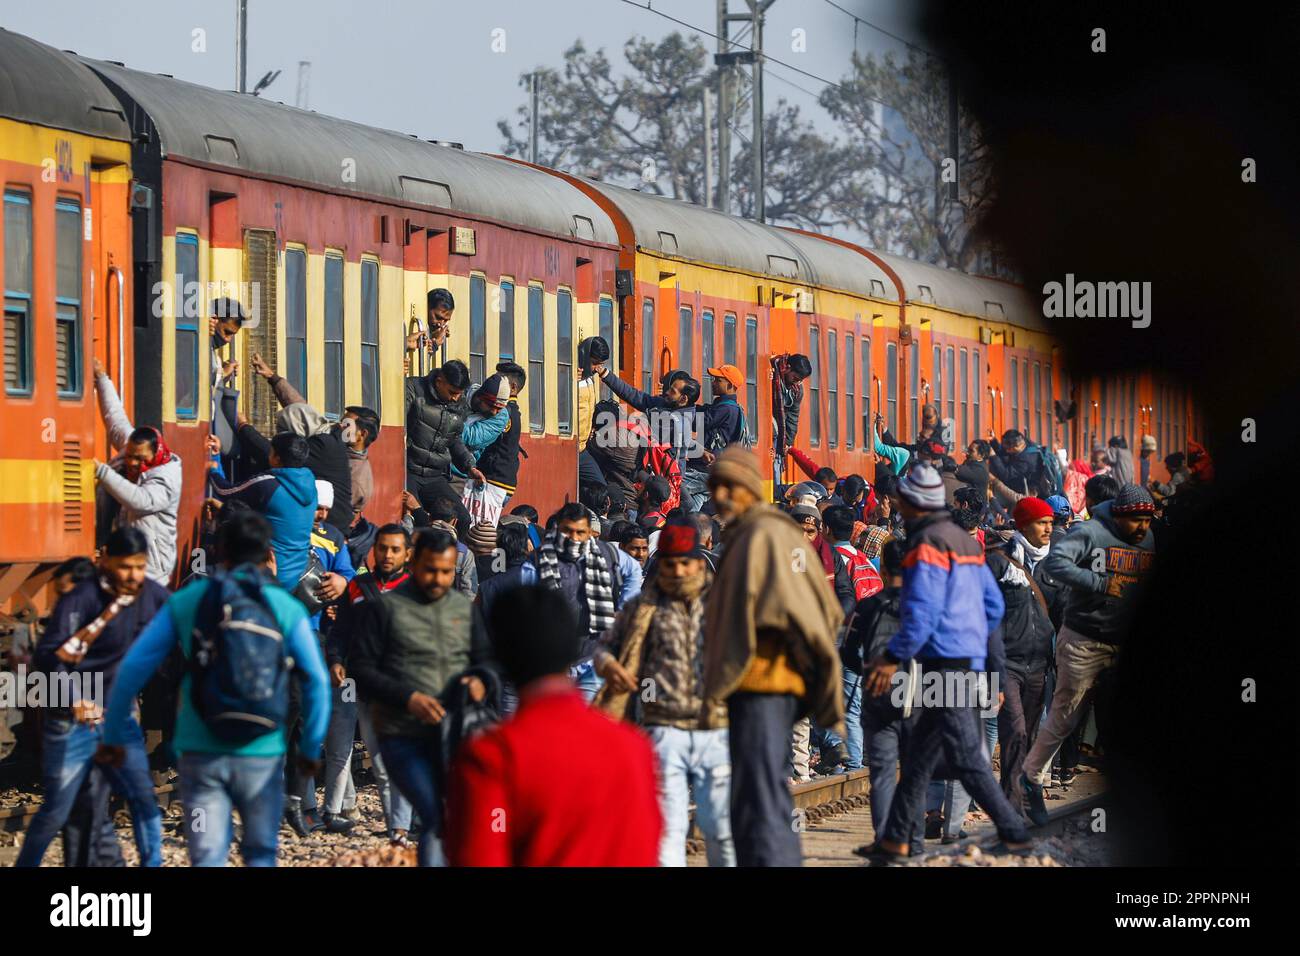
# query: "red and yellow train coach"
x,y
331,234
66,272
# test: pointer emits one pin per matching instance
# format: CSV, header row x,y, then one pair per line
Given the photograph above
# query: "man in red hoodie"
x,y
557,784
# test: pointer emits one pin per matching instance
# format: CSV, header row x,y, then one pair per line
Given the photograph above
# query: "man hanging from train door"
x,y
788,373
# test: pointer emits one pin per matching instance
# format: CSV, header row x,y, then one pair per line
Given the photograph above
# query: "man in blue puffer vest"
x,y
948,616
286,496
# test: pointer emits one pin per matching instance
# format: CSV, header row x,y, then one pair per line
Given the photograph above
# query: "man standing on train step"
x,y
788,373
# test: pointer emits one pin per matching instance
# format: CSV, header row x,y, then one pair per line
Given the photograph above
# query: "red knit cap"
x,y
1028,510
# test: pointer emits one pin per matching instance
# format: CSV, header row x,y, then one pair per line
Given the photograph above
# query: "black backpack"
x,y
239,670
466,718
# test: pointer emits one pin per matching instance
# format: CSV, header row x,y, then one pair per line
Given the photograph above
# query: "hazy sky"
x,y
428,67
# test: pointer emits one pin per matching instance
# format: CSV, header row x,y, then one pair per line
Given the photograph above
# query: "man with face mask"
x,y
658,641
1101,562
91,629
145,478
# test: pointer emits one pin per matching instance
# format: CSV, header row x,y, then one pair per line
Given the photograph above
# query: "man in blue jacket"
x,y
216,775
948,617
286,495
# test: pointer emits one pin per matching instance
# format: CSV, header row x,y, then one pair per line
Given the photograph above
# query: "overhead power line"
x,y
893,36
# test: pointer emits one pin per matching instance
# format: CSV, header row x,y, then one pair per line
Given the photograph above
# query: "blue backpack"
x,y
239,673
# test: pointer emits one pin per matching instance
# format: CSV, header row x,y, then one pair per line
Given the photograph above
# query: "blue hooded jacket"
x,y
287,499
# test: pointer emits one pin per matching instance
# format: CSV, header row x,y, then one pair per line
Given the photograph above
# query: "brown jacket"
x,y
761,586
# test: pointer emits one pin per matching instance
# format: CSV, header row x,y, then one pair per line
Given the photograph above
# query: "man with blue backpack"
x,y
243,639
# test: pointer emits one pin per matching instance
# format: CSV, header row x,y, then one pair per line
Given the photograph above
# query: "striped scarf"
x,y
597,581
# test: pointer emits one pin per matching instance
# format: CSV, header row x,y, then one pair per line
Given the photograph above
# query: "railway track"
x,y
16,819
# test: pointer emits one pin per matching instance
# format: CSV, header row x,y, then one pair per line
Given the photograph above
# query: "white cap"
x,y
324,494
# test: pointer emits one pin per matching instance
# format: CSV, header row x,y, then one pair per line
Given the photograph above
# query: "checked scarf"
x,y
597,581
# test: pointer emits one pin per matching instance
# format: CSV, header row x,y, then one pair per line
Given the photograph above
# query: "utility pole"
x,y
708,149
241,46
724,113
304,82
757,8
532,120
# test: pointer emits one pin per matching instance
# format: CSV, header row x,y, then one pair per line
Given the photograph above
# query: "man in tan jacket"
x,y
770,629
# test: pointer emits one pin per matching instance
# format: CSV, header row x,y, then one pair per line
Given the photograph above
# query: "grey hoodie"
x,y
1099,604
149,505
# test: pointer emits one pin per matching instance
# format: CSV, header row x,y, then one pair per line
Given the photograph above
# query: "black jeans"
x,y
886,737
429,490
1017,723
762,813
954,733
88,835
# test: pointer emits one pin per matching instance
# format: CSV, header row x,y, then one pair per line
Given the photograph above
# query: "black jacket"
x,y
327,459
1019,472
500,460
872,626
1026,626
433,431
975,474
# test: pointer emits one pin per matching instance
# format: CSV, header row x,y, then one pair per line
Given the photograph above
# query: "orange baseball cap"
x,y
730,373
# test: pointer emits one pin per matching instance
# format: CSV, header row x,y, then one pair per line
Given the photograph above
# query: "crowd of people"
x,y
562,689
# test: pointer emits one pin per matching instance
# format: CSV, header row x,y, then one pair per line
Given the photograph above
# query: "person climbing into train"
x,y
593,354
657,640
226,316
1015,462
486,422
1098,612
440,308
222,768
557,783
769,653
788,373
144,479
674,418
435,415
499,461
949,611
92,629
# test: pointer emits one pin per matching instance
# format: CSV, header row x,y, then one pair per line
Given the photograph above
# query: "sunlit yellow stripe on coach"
x,y
29,481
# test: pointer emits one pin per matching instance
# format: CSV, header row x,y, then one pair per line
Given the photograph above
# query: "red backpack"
x,y
866,579
659,460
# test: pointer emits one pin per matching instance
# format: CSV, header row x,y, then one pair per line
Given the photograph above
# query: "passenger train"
x,y
131,199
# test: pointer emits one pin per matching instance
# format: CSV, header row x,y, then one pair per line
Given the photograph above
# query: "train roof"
x,y
984,297
688,231
41,85
268,139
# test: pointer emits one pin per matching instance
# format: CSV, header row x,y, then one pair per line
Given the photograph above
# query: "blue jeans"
x,y
67,759
699,762
345,715
212,785
852,723
762,810
588,681
415,765
886,736
695,489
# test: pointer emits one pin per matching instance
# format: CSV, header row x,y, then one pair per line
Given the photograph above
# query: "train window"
x,y
18,292
536,360
815,386
685,336
1024,398
189,312
832,389
67,298
1135,440
334,361
707,352
1038,401
295,318
891,387
950,375
477,329
850,407
751,374
370,334
964,390
1015,393
1103,394
936,383
648,347
915,421
729,339
1051,407
977,393
564,360
866,393
607,329
506,323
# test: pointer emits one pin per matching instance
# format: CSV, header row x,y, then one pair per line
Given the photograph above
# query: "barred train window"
x,y
189,312
850,408
506,323
951,377
706,339
536,360
67,298
685,335
334,362
607,328
18,292
751,375
564,360
891,386
729,339
832,389
477,329
370,395
295,318
648,346
867,385
815,385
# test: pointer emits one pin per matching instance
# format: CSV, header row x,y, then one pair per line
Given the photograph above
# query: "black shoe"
x,y
1035,805
1067,777
933,826
293,815
953,839
313,821
338,823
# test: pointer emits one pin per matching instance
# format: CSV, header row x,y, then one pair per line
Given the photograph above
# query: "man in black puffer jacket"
x,y
435,416
1027,634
